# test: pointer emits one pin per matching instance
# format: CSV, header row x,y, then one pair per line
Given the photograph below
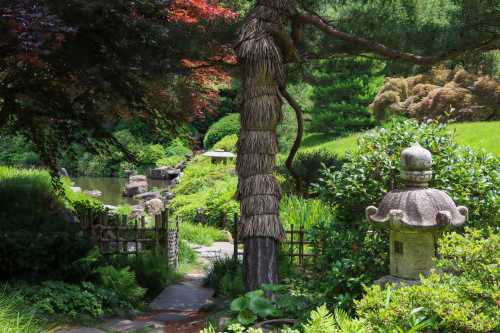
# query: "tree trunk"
x,y
260,261
261,61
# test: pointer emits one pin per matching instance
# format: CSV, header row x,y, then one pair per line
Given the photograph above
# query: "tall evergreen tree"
x,y
344,88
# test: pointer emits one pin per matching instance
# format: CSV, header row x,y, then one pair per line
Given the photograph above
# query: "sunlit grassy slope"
x,y
478,135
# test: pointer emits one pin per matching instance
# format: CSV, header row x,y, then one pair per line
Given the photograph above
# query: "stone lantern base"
x,y
412,252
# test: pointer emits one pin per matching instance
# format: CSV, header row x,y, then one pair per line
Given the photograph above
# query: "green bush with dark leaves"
x,y
463,299
227,125
355,253
309,165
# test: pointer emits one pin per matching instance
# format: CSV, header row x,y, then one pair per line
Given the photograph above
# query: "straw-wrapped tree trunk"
x,y
262,63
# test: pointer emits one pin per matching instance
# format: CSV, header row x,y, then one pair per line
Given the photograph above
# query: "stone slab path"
x,y
177,309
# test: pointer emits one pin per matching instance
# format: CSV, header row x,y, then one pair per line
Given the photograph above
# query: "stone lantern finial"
x,y
416,166
415,215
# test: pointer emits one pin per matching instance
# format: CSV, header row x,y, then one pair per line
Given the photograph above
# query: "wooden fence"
x,y
295,244
119,234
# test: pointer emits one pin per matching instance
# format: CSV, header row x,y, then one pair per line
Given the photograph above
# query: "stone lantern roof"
x,y
416,206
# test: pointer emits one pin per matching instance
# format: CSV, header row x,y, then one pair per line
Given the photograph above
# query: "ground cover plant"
x,y
206,190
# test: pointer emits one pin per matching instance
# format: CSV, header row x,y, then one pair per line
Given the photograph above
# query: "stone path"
x,y
179,308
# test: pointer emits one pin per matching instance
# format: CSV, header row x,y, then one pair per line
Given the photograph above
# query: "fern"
x,y
122,281
320,321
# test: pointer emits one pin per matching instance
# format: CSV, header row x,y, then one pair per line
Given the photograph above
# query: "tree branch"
x,y
298,139
386,51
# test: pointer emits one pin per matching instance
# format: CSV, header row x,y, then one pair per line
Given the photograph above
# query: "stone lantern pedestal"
x,y
416,215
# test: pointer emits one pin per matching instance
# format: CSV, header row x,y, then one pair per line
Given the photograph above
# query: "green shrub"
x,y
123,283
56,298
309,165
36,239
227,125
225,276
465,301
355,253
227,143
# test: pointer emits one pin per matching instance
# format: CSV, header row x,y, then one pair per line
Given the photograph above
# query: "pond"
x,y
111,188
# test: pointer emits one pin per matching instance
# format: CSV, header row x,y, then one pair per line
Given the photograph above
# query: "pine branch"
x,y
390,53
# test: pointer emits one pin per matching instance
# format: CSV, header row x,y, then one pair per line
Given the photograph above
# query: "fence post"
x,y
235,237
290,250
301,247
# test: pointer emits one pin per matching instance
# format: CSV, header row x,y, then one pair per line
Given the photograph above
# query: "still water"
x,y
112,187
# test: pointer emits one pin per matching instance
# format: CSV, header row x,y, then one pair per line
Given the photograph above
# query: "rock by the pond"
x,y
181,165
164,173
76,189
167,196
147,196
138,178
94,193
154,206
137,210
110,209
137,185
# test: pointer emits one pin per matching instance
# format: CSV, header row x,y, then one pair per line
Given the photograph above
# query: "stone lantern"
x,y
415,215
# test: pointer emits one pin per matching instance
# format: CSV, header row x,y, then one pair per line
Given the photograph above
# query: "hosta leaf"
x,y
246,317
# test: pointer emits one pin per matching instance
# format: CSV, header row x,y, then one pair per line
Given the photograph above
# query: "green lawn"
x,y
477,135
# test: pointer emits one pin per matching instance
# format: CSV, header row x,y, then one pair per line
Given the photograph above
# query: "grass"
x,y
14,320
201,234
477,135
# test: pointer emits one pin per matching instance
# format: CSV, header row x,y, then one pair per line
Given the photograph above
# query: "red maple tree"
x,y
206,75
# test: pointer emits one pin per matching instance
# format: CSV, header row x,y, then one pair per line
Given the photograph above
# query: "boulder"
x,y
165,173
154,206
173,173
136,185
134,188
159,173
138,178
167,196
181,165
76,189
147,196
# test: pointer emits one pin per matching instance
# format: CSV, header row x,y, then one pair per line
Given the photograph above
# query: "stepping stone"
x,y
123,325
169,317
186,296
82,330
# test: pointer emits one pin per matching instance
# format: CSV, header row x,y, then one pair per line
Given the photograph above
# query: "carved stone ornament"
x,y
416,215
